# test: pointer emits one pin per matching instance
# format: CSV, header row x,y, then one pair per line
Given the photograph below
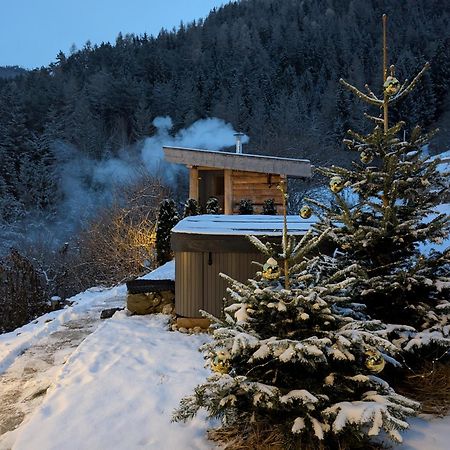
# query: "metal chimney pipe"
x,y
238,141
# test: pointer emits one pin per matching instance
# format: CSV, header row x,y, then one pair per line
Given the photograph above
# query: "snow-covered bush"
x,y
300,359
167,219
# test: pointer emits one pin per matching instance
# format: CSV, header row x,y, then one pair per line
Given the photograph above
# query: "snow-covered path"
x,y
86,384
118,391
32,356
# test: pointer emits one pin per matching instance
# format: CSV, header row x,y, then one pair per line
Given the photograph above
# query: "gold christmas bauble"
x,y
374,361
366,156
271,270
336,184
305,212
220,363
391,86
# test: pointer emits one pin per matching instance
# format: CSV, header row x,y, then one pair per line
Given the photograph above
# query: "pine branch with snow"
x,y
298,359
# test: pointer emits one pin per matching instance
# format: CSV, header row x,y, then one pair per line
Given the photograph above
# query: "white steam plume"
x,y
210,134
87,184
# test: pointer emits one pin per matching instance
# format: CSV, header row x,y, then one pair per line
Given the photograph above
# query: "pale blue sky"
x,y
33,31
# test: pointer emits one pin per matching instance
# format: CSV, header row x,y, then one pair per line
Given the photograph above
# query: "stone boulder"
x,y
151,302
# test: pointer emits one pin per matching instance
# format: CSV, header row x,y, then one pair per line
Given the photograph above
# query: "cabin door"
x,y
211,184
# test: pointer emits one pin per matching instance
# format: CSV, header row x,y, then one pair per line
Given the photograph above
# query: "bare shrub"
x,y
22,294
430,386
120,242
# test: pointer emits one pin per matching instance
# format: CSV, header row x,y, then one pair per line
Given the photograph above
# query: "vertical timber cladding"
x,y
257,187
198,283
188,283
208,245
236,265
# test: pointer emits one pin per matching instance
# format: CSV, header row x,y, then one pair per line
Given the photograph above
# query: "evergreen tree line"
x,y
269,67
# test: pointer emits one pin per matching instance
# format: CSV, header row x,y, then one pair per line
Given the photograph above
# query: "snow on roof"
x,y
259,225
164,272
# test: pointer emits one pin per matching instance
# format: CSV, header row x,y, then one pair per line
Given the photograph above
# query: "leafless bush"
x,y
22,294
120,242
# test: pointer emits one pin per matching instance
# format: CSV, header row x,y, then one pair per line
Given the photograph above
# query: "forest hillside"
x,y
268,68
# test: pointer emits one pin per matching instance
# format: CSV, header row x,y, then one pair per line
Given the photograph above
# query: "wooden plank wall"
x,y
257,187
237,265
198,284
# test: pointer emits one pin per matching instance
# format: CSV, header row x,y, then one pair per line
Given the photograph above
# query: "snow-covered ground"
x,y
86,305
428,433
118,391
84,384
32,356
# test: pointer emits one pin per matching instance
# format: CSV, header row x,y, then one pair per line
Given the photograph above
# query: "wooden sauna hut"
x,y
207,245
232,177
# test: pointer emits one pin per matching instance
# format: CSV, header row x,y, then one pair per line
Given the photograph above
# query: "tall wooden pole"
x,y
193,182
228,191
385,74
283,188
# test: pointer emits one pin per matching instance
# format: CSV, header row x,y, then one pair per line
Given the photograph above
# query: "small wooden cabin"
x,y
207,245
232,177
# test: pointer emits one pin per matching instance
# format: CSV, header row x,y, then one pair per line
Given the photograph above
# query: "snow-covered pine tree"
x,y
269,208
167,219
298,359
389,218
212,206
191,208
246,206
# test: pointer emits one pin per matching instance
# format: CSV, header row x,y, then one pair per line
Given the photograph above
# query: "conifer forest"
x,y
270,68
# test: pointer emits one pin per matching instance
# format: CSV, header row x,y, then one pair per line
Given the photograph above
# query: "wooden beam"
x,y
193,182
228,191
237,161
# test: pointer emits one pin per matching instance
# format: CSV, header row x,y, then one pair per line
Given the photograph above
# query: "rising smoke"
x,y
86,185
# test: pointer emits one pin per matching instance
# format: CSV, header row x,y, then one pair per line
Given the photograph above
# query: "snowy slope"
x,y
87,304
118,391
441,246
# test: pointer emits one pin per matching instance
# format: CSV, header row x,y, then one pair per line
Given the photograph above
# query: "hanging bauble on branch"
x,y
366,156
391,86
305,212
336,184
271,270
220,362
374,361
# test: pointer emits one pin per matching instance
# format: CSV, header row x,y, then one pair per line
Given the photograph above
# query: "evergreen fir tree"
x,y
269,208
292,353
395,189
246,206
167,219
212,206
191,208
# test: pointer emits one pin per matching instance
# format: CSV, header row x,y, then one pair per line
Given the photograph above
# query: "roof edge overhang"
x,y
300,168
188,242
